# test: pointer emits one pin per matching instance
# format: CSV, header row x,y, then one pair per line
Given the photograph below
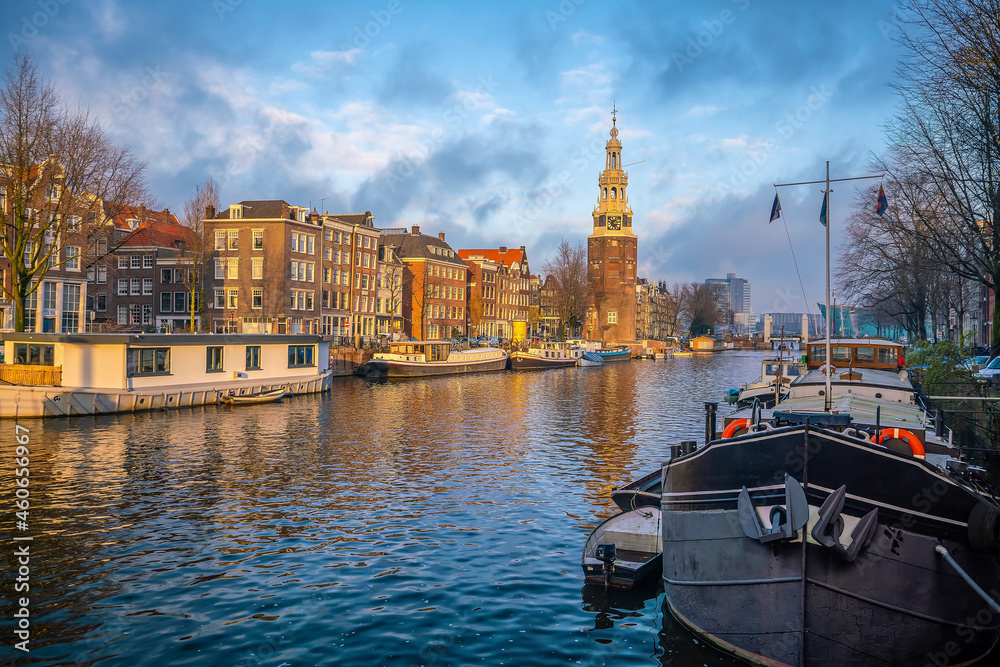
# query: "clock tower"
x,y
611,254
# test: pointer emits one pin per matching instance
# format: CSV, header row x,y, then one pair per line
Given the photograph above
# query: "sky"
x,y
488,121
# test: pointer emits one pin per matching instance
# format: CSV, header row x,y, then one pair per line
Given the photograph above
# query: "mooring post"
x,y
710,408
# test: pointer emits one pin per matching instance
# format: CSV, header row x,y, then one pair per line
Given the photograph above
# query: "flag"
x,y
775,209
822,212
883,203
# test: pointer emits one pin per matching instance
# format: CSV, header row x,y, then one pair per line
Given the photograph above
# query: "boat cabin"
x,y
876,353
421,350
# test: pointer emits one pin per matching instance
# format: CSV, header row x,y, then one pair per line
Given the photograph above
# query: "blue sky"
x,y
487,121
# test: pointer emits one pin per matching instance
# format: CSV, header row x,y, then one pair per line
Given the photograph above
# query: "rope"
x,y
796,263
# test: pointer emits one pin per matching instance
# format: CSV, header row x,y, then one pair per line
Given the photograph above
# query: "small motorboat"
x,y
625,550
643,492
590,360
269,396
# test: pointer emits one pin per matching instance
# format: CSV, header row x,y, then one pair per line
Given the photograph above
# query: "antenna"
x,y
321,201
631,163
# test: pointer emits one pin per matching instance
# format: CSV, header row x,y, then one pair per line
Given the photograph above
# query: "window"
x,y
258,298
311,244
328,234
147,261
220,239
136,261
73,223
887,355
359,241
336,237
147,313
253,357
122,262
258,239
102,274
309,300
72,258
357,257
233,299
122,313
101,302
257,268
817,353
300,355
147,286
165,276
295,241
865,354
135,287
364,281
233,265
347,257
123,287
368,242
612,317
165,302
148,361
220,268
345,278
839,353
213,359
220,298
180,302
33,354
234,239
327,272
310,271
367,258
102,247
180,276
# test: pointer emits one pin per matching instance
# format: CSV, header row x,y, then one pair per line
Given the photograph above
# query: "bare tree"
x,y
701,308
947,131
568,268
59,171
195,211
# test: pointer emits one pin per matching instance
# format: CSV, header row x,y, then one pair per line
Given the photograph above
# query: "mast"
x,y
827,399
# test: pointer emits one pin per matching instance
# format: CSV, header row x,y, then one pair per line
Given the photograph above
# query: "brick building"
x,y
434,285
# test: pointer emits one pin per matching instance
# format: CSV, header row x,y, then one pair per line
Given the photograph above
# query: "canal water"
x,y
430,521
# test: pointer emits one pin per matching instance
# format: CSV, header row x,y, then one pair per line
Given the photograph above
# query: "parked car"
x,y
975,363
990,373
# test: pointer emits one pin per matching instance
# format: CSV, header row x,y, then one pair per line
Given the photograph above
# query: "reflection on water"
x,y
426,522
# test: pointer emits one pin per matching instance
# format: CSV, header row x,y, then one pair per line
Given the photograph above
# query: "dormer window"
x,y
132,223
236,211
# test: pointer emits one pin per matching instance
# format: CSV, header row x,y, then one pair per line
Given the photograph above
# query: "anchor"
x,y
830,527
786,520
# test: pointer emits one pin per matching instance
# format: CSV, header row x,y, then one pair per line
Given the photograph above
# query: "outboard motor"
x,y
606,553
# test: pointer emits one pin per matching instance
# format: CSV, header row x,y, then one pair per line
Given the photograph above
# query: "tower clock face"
x,y
614,222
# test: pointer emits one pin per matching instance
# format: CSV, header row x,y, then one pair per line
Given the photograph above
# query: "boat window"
x,y
253,358
864,354
770,369
34,355
213,359
300,355
887,355
148,361
817,353
841,353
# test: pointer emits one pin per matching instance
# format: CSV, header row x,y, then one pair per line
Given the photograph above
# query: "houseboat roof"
x,y
882,342
165,340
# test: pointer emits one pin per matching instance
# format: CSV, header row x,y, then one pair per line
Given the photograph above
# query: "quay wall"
x,y
343,360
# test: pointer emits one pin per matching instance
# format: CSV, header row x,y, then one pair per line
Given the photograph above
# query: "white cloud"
x,y
321,63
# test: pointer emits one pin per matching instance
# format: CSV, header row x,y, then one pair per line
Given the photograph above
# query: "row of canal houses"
x,y
269,267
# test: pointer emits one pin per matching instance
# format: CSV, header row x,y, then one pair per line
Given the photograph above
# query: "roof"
x,y
161,235
360,219
509,256
856,341
121,218
418,246
260,209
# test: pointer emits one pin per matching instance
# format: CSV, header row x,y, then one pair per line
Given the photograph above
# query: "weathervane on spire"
x,y
614,112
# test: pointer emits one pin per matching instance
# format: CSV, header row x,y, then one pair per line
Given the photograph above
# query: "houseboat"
x,y
546,354
416,358
776,374
837,518
57,375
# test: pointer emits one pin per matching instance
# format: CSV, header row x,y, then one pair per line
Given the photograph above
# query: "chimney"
x,y
503,249
416,230
314,217
441,235
209,212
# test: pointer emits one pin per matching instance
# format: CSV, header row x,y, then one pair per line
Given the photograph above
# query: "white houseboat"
x,y
54,375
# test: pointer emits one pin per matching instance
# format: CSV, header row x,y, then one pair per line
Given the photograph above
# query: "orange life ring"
x,y
902,434
734,426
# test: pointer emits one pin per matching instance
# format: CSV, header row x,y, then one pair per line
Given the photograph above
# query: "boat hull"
x,y
637,537
898,603
378,368
523,362
624,354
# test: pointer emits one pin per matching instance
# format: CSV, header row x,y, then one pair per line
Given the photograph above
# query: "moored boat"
x,y
625,550
620,353
900,538
590,360
416,358
546,354
270,396
776,374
